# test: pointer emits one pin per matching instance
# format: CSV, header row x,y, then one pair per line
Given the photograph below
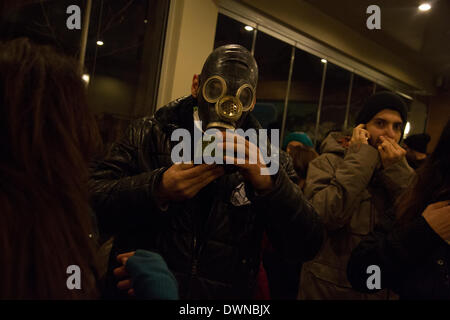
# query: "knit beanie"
x,y
298,136
380,101
418,142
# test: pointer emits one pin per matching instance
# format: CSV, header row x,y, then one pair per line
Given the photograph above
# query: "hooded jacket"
x,y
212,242
350,191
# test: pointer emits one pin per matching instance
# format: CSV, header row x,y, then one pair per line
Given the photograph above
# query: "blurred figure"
x,y
297,139
416,149
301,157
47,137
412,249
283,276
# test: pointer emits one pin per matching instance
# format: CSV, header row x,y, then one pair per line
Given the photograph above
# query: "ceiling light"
x,y
248,28
323,61
99,43
424,7
85,78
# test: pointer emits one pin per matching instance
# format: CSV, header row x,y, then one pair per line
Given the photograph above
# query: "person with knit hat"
x,y
352,185
295,139
416,149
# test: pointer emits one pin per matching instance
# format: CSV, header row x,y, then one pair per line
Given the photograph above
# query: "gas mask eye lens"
x,y
214,89
245,95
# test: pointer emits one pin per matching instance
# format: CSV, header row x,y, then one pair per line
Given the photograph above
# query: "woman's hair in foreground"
x,y
431,184
47,138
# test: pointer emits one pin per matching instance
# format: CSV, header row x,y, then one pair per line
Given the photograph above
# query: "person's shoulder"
x,y
175,112
168,116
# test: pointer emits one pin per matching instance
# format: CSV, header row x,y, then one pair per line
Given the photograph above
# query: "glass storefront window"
x,y
334,103
273,57
362,89
124,66
43,22
231,31
123,72
304,94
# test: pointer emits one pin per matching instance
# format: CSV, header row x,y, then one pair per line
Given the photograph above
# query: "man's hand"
x,y
250,162
390,151
437,216
360,135
184,180
121,273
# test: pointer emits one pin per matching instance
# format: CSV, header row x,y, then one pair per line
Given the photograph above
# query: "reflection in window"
x,y
123,73
273,57
304,94
334,101
43,22
231,31
124,64
124,70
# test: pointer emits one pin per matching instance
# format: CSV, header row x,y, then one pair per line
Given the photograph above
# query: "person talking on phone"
x,y
355,181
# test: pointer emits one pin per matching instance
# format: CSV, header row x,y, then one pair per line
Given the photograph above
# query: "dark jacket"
x,y
210,243
350,191
413,260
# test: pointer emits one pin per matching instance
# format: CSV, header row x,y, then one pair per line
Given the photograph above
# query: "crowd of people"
x,y
192,230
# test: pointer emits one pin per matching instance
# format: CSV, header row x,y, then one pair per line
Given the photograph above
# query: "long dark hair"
x,y
47,136
432,182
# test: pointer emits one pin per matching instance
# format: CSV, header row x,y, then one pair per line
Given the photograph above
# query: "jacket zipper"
x,y
195,260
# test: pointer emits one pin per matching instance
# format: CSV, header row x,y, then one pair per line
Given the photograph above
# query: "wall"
x,y
189,40
439,113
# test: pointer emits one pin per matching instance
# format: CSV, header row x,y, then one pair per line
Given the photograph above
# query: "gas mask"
x,y
227,87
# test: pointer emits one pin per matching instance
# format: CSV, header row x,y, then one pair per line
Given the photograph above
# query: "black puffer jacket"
x,y
211,244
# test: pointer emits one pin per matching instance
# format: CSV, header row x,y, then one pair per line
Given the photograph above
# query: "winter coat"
x,y
412,259
350,190
212,242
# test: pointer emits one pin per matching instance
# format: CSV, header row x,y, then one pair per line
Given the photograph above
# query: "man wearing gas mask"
x,y
205,220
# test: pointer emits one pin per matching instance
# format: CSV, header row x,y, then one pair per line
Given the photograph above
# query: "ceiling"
x,y
420,37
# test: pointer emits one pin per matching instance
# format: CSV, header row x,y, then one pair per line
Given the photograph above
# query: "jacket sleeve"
x,y
397,178
394,250
333,190
120,190
292,224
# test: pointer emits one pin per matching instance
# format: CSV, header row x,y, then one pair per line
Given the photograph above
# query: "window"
x,y
334,103
304,94
273,57
231,31
125,68
362,89
123,73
